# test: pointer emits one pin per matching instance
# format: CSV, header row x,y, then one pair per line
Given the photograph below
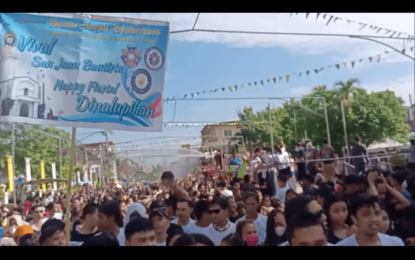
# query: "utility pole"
x,y
14,165
345,134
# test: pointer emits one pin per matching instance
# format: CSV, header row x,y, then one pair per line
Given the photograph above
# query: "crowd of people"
x,y
271,199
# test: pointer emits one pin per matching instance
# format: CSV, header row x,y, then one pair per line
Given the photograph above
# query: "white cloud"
x,y
402,88
282,22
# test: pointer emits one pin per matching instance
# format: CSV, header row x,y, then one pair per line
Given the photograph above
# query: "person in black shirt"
x,y
359,149
300,160
335,206
275,228
89,226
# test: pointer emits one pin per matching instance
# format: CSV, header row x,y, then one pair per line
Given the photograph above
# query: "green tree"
x,y
371,116
31,143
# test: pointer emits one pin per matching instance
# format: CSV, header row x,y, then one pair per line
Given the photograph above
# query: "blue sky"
x,y
199,62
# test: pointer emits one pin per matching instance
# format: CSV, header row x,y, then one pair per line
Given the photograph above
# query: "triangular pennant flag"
x,y
203,92
399,34
223,89
262,82
387,31
370,58
324,16
249,84
350,21
345,64
287,77
236,87
280,78
230,88
392,34
267,80
192,94
331,17
306,16
321,69
330,66
318,14
379,30
412,48
211,91
352,64
300,74
360,61
275,80
364,25
316,71
255,83
378,57
386,52
403,51
337,18
197,93
374,27
185,96
308,72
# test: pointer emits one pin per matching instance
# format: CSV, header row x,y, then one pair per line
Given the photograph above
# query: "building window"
x,y
228,132
26,92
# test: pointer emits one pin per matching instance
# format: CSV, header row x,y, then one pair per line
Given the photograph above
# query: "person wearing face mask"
x,y
14,221
275,229
247,231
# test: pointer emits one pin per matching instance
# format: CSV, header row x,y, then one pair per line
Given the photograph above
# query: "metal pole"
x,y
14,165
327,121
271,130
345,134
364,38
60,157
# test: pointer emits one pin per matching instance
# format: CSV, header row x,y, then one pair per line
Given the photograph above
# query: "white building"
x,y
21,93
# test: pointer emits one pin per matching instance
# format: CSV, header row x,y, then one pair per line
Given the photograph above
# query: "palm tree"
x,y
346,91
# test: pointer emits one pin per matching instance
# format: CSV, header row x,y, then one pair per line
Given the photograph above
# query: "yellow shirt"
x,y
4,223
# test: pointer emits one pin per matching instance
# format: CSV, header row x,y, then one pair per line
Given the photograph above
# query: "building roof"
x,y
96,145
223,122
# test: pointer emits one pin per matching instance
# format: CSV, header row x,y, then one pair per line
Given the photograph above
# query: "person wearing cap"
x,y
161,225
21,231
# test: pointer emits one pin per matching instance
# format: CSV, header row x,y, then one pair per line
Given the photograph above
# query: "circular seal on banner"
x,y
9,38
154,58
141,81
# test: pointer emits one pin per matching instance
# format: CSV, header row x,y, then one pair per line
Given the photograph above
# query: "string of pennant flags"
x,y
376,29
237,124
277,80
159,142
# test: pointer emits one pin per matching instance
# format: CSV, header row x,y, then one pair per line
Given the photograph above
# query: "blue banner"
x,y
82,71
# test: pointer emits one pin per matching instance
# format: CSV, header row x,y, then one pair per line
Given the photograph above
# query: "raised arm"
x,y
402,202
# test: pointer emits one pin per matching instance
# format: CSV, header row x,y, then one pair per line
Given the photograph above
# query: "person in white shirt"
x,y
306,229
258,165
283,188
134,211
252,203
202,224
183,211
366,214
221,226
161,224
